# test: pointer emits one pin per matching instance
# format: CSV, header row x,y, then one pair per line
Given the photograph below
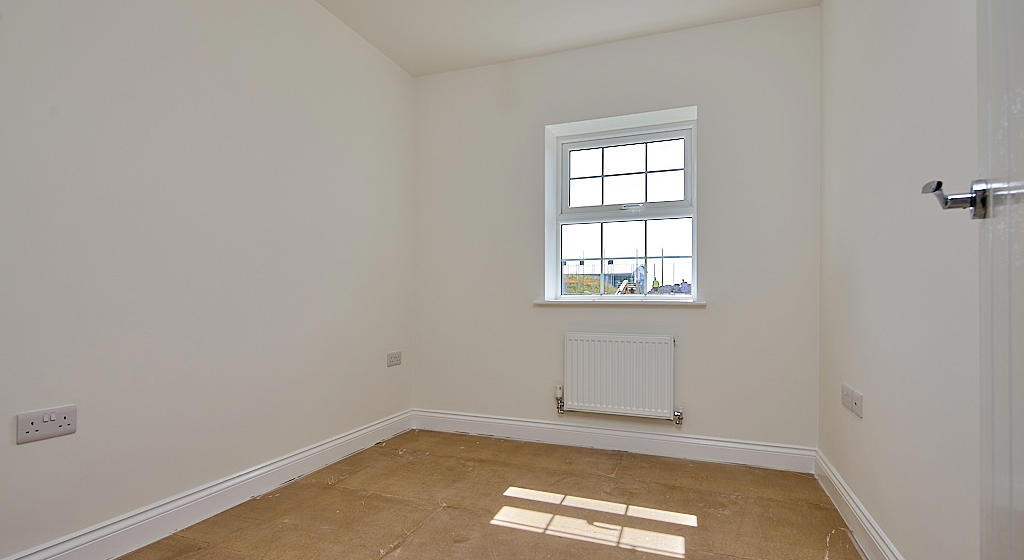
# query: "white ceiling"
x,y
429,36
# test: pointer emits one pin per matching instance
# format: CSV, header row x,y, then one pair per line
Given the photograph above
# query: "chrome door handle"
x,y
977,200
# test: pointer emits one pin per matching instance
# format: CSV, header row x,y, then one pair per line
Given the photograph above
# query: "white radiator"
x,y
631,374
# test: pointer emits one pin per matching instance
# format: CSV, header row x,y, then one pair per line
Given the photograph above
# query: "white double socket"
x,y
47,423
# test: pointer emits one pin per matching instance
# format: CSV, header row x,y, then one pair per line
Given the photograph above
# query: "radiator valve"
x,y
677,417
559,400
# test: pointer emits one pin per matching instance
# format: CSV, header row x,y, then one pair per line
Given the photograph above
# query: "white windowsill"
x,y
645,302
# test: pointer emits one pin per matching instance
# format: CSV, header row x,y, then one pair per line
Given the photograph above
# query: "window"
x,y
621,208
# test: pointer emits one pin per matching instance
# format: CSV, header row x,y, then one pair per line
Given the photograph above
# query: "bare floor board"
x,y
425,495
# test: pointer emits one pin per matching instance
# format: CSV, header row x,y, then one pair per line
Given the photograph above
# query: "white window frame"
x,y
638,128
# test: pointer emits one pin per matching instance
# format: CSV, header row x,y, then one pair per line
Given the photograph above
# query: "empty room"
x,y
512,279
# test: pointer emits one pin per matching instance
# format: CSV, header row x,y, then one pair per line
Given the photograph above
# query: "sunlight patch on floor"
x,y
582,530
601,505
608,534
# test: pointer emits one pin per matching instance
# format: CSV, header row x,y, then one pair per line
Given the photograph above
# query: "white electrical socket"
x,y
394,359
853,400
47,423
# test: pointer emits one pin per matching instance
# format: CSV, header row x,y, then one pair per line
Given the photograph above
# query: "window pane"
x,y
673,276
623,189
581,278
670,238
667,154
624,159
581,241
624,240
625,276
664,186
585,192
585,163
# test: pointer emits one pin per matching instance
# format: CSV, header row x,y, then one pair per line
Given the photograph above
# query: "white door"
x,y
1001,155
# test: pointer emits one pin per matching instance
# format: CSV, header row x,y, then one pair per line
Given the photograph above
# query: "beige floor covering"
x,y
432,495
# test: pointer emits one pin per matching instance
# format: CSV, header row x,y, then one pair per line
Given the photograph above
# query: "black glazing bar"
x,y
564,261
601,280
630,173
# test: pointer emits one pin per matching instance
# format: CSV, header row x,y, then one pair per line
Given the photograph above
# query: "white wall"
x,y
195,196
899,309
748,363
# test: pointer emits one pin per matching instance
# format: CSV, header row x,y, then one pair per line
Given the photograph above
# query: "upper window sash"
x,y
628,211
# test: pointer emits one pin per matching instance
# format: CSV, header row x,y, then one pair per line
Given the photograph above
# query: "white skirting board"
x,y
770,455
871,540
123,534
128,532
